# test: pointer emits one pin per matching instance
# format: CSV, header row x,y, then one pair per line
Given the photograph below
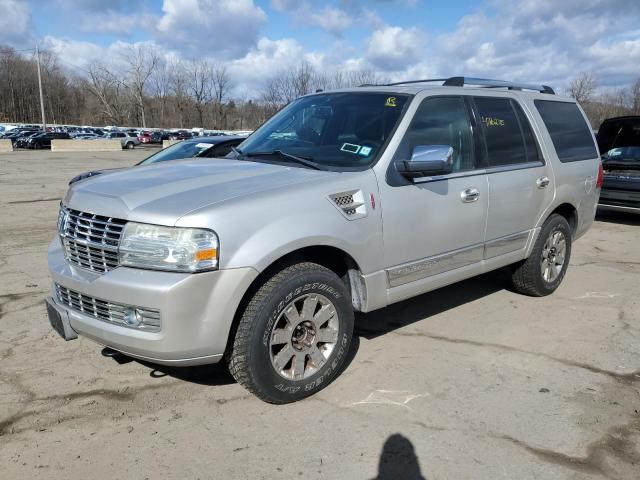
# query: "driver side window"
x,y
440,121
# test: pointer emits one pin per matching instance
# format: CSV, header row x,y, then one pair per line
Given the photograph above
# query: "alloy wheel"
x,y
303,336
553,256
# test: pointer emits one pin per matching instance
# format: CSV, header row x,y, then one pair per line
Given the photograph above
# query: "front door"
x,y
435,224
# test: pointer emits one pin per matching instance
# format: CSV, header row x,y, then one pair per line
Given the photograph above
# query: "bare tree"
x,y
141,62
179,90
222,86
160,86
200,82
635,97
583,87
108,89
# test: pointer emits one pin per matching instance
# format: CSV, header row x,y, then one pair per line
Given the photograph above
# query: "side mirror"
x,y
427,160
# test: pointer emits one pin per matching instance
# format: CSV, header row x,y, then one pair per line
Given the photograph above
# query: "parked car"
x,y
158,137
126,139
44,140
85,136
22,141
343,201
205,147
145,137
619,142
180,135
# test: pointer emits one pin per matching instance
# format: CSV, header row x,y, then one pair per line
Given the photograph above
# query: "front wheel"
x,y
294,334
543,271
129,145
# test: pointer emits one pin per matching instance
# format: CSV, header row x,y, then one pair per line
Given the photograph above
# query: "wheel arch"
x,y
335,259
569,212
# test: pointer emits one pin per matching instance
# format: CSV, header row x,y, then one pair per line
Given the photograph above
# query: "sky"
x,y
541,41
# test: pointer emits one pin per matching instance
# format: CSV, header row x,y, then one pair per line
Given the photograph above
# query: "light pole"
x,y
44,123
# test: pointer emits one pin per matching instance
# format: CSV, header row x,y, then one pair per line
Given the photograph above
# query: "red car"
x,y
145,137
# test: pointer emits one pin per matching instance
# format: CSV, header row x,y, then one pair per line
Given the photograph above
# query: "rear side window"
x,y
507,132
570,134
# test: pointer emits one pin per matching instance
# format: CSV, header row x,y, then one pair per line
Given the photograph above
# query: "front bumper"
x,y
196,310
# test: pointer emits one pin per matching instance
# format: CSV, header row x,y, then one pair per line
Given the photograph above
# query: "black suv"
x,y
44,140
619,143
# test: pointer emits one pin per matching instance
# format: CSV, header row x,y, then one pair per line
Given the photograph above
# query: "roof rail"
x,y
481,82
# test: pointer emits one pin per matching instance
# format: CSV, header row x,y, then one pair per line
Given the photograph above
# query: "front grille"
x,y
90,241
117,313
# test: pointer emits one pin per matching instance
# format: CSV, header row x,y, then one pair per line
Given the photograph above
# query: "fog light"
x,y
132,317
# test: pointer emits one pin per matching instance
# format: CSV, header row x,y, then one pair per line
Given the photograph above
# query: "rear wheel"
x,y
129,145
294,334
543,271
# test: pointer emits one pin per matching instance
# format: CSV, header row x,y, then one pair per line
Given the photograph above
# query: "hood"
x,y
619,132
162,193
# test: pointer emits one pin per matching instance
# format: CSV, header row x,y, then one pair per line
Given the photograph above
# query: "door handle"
x,y
542,182
469,195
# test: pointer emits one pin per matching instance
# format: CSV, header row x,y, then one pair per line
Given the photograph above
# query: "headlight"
x,y
168,248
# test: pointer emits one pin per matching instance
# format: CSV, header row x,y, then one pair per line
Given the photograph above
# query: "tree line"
x,y
142,88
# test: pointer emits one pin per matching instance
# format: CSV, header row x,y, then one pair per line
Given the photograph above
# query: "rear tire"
x,y
294,334
129,145
543,271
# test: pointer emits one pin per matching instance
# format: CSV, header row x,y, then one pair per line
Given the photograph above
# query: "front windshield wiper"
x,y
306,161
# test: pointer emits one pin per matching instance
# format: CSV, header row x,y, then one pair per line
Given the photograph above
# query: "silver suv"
x,y
127,140
344,201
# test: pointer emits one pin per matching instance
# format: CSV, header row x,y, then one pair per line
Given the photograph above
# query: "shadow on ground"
x,y
377,323
367,325
398,460
618,217
210,375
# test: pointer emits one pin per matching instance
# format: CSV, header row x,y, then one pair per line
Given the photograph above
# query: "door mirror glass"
x,y
427,160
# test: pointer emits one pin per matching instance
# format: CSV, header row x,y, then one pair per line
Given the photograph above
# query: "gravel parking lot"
x,y
472,381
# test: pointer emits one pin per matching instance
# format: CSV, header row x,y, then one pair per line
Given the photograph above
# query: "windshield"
x,y
178,150
344,130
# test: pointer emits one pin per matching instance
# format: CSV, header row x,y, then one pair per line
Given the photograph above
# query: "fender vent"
x,y
350,204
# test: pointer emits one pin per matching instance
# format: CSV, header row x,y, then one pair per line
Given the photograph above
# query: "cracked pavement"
x,y
480,382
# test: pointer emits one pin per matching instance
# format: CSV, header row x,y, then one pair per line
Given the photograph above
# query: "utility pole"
x,y
44,123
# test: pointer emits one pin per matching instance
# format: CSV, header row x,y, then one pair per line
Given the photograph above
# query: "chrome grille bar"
x,y
90,240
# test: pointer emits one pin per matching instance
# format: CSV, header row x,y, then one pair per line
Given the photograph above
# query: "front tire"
x,y
294,334
542,273
129,145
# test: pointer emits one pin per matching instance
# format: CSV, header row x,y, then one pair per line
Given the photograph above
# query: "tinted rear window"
x,y
507,132
570,134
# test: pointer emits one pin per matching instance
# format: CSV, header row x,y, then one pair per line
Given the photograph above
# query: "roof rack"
x,y
481,82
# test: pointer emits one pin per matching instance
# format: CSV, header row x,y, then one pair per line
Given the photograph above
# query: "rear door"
x,y
520,182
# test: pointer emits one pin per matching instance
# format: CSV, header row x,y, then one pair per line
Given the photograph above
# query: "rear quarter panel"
x,y
575,182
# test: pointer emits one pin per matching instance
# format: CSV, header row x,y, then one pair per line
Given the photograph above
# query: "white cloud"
x,y
263,61
114,22
526,40
333,20
225,29
15,23
395,48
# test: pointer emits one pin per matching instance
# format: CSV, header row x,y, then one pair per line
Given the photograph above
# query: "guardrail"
x,y
6,146
85,145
